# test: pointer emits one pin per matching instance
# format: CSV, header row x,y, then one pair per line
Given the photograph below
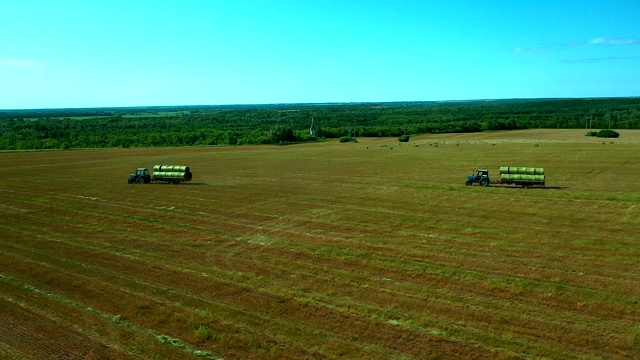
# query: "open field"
x,y
325,250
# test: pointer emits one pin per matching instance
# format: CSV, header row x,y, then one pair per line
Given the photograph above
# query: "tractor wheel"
x,y
129,181
468,183
141,180
484,182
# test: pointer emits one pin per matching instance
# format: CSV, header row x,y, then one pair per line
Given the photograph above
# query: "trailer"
x,y
173,174
510,175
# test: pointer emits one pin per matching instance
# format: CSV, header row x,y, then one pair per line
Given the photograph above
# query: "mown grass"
x,y
334,250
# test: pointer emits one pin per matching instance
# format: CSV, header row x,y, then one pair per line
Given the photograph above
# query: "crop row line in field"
x,y
460,258
353,305
70,307
84,269
233,312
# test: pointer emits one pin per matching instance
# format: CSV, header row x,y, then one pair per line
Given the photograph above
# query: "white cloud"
x,y
19,63
613,41
595,60
594,41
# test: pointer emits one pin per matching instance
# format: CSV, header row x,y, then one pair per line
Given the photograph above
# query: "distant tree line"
x,y
282,124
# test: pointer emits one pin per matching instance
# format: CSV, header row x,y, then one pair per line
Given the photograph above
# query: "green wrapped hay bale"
x,y
504,170
171,173
178,168
171,168
168,175
530,171
539,171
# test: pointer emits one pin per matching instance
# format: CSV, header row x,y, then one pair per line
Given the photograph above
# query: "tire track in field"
x,y
462,259
253,305
36,336
449,256
384,300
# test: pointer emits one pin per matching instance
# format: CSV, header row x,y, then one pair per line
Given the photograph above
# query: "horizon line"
x,y
322,103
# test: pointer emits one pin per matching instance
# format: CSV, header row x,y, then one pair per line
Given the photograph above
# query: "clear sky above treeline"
x,y
104,53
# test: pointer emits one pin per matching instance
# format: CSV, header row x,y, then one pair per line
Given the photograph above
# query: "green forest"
x,y
290,123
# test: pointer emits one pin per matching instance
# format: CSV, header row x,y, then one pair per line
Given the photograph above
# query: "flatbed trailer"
x,y
524,184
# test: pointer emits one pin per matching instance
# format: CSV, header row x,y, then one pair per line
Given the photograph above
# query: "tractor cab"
x,y
141,176
480,177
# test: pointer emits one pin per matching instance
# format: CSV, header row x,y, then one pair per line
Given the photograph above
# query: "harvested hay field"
x,y
358,250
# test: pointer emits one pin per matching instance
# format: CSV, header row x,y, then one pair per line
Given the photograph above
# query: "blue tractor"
x,y
141,176
481,177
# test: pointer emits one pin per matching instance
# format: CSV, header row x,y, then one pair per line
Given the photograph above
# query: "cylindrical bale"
x,y
539,178
530,171
175,175
171,168
539,171
504,170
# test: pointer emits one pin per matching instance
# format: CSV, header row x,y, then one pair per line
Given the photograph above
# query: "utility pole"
x,y
354,131
587,124
586,127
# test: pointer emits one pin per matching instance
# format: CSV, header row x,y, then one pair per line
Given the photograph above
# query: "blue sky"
x,y
65,53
